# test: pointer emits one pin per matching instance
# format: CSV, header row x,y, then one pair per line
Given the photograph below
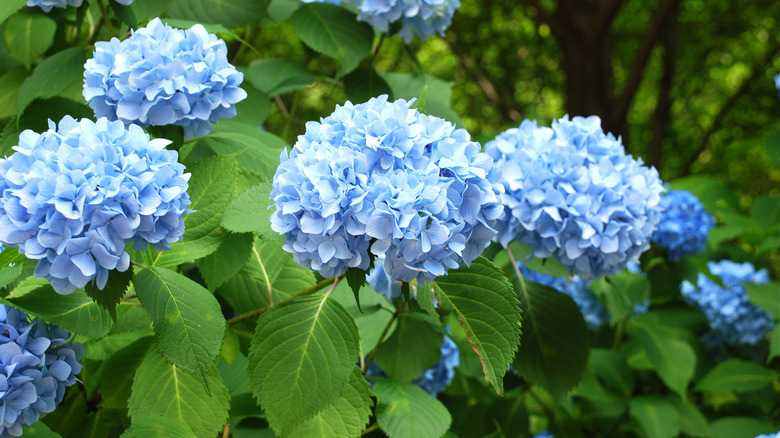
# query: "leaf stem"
x,y
373,427
382,336
105,18
378,46
140,265
257,312
514,265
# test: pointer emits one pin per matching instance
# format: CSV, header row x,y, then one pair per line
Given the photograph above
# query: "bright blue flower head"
x,y
380,174
684,224
73,196
37,361
733,319
572,192
163,76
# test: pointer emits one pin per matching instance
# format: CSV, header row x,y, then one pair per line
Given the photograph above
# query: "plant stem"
x,y
370,429
104,16
382,336
257,312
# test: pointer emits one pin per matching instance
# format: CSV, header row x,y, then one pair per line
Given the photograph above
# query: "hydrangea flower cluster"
x,y
684,224
382,176
573,193
772,435
381,282
418,17
47,5
733,319
544,434
72,196
38,362
163,76
592,309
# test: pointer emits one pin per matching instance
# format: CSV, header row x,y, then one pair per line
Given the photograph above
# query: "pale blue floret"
x,y
47,5
72,196
383,177
381,282
573,193
162,76
733,319
772,435
684,224
37,361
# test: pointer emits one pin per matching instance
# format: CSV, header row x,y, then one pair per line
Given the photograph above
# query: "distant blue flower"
x,y
733,319
771,435
684,224
163,76
72,196
37,362
573,193
380,174
46,5
777,81
381,282
544,434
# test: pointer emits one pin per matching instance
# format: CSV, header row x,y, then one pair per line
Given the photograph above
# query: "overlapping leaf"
x,y
404,410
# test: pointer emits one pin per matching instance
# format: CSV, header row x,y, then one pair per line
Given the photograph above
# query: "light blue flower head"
x,y
771,435
777,85
380,281
417,17
733,319
380,174
573,193
164,76
37,362
544,434
72,196
47,5
684,224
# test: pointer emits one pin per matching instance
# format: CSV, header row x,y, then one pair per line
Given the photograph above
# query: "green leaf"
x,y
40,430
774,343
151,8
692,422
222,265
740,427
259,149
230,346
335,32
188,322
75,312
37,114
52,76
155,426
347,416
250,211
484,303
364,83
253,110
10,83
438,94
404,410
735,375
268,264
211,189
230,13
673,359
621,293
554,347
414,347
28,36
765,296
277,75
114,384
112,293
373,316
611,367
713,194
657,416
8,7
160,388
302,355
766,211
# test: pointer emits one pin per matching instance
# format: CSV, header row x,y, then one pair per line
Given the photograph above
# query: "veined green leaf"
x,y
765,296
250,212
8,7
413,347
673,359
188,322
28,36
10,83
229,13
735,375
230,257
612,369
657,416
404,410
484,303
52,76
302,355
114,384
40,430
692,422
156,426
740,427
259,149
277,75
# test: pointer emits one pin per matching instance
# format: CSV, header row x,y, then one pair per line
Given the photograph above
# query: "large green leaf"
x,y
438,93
52,76
156,426
229,13
554,347
335,32
250,212
28,36
657,416
40,430
10,83
413,347
188,322
259,149
713,194
301,357
277,75
345,417
114,384
371,318
161,388
611,367
8,7
622,293
692,422
484,303
735,375
740,427
364,83
774,343
765,296
673,359
222,265
75,312
404,410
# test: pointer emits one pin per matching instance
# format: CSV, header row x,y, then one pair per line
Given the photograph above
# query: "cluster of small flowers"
x,y
46,5
381,174
684,224
436,378
418,17
38,362
380,281
733,319
164,76
73,196
572,192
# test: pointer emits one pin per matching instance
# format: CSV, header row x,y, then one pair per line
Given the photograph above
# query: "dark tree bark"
x,y
661,116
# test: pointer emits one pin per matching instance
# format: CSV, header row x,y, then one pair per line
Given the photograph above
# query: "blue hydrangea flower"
x,y
37,362
777,81
72,196
382,175
772,435
47,5
381,282
684,224
544,434
733,319
573,193
436,378
163,76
